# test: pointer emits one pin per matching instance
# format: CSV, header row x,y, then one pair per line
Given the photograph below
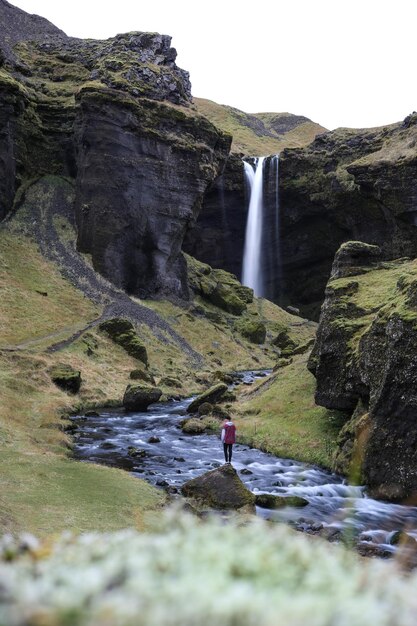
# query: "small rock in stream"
x,y
154,440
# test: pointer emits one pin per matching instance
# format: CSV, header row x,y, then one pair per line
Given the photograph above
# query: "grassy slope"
x,y
42,489
280,416
245,139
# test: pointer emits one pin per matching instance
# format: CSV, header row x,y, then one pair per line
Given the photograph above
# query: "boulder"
x,y
212,395
193,426
139,397
122,332
205,408
138,374
220,488
252,329
270,501
66,377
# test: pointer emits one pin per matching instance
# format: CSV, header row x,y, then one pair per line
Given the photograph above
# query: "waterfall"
x,y
252,274
277,229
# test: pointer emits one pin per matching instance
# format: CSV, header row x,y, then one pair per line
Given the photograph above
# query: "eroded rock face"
x,y
143,168
347,184
116,117
365,362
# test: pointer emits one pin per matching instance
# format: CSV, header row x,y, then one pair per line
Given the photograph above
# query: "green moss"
x,y
123,333
252,329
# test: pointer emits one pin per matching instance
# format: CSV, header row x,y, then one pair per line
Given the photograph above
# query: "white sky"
x,y
339,62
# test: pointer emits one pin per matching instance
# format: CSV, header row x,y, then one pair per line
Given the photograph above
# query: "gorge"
x,y
124,206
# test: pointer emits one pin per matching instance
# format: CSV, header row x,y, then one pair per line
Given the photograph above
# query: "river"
x,y
167,457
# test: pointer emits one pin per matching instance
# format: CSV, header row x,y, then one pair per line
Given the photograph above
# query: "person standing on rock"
x,y
228,438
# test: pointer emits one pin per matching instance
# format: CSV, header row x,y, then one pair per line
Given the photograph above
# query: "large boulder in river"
x,y
221,489
139,397
212,395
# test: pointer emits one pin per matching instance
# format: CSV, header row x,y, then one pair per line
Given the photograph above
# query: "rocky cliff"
x,y
347,184
115,117
365,363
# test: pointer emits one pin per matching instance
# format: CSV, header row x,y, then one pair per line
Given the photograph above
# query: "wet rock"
x,y
91,413
246,471
66,377
154,440
107,445
162,483
136,453
179,459
139,397
270,501
212,395
220,488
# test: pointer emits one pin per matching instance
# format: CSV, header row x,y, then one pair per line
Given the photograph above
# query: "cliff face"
x,y
365,363
346,184
116,117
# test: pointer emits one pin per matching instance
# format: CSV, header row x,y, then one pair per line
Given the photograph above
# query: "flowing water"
x,y
251,271
174,457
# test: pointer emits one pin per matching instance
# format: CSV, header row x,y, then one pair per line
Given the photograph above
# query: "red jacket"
x,y
229,432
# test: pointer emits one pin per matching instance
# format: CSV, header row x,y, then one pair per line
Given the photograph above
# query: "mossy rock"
x,y
139,397
138,374
123,333
205,408
270,501
283,362
221,489
253,330
212,395
66,378
282,339
170,381
193,426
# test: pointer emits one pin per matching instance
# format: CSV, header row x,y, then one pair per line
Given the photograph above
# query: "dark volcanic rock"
x,y
139,397
220,489
346,185
142,171
365,363
116,117
270,501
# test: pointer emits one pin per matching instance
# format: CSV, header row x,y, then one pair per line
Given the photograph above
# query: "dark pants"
x,y
228,447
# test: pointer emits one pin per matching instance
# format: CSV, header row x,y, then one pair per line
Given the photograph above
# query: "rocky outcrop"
x,y
66,377
123,333
139,397
347,184
365,363
116,117
220,489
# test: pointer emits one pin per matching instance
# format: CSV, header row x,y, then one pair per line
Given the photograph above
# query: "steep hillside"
x,y
257,134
